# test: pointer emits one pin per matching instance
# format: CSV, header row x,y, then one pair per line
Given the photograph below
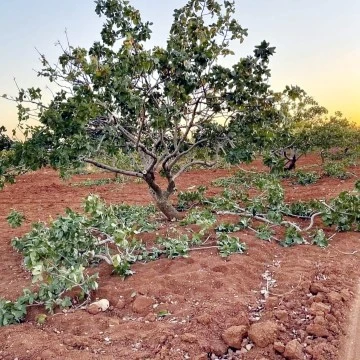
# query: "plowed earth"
x,y
308,310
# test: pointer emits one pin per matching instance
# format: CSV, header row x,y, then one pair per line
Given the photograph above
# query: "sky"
x,y
317,42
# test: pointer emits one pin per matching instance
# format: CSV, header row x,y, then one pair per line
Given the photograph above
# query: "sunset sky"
x,y
317,42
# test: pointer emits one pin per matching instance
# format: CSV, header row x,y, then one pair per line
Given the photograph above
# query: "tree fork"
x,y
162,197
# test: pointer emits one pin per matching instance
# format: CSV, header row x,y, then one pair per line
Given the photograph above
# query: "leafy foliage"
x,y
187,199
336,169
306,178
58,255
66,242
302,208
343,212
205,218
319,238
15,218
264,232
12,312
173,248
5,141
229,245
228,227
292,237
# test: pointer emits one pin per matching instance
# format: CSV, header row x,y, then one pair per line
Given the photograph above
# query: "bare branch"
x,y
142,118
193,163
126,133
312,221
103,257
186,133
112,169
182,154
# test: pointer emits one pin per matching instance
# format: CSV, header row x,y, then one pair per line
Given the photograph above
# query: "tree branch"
x,y
126,133
180,155
111,168
193,163
186,133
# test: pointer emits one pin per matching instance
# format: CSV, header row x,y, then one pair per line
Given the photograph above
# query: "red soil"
x,y
204,293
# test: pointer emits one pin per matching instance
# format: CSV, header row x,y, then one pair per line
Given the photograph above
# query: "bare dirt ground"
x,y
213,302
350,350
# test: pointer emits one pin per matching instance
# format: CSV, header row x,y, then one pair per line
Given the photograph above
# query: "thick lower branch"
x,y
112,169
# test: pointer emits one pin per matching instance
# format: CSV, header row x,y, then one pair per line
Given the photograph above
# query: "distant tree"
x,y
292,133
151,102
5,141
300,125
335,133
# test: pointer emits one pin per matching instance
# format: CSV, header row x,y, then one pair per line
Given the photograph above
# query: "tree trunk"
x,y
291,164
322,155
162,197
164,205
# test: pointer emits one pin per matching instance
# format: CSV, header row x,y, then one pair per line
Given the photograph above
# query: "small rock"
x,y
331,318
319,297
319,308
204,319
264,333
317,287
203,356
93,309
279,347
142,304
104,304
334,329
98,306
293,350
271,302
281,315
334,298
338,314
234,335
113,322
218,348
317,330
151,317
189,338
320,320
120,304
346,294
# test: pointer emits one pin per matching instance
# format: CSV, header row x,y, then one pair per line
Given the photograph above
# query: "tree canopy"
x,y
302,125
157,104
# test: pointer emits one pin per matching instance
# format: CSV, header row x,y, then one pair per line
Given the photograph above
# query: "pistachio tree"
x,y
156,104
337,133
293,131
5,141
300,125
